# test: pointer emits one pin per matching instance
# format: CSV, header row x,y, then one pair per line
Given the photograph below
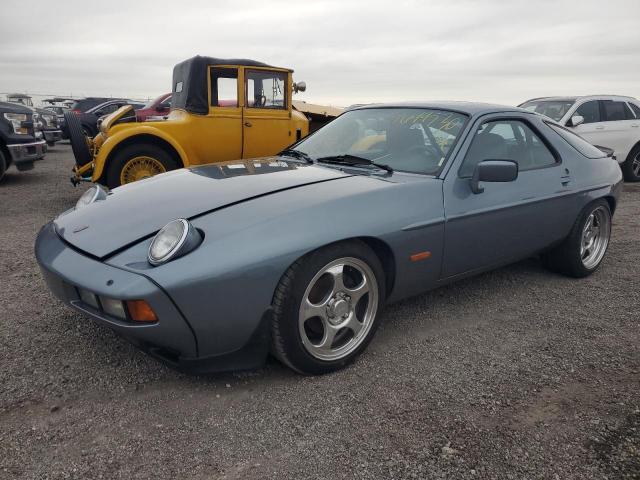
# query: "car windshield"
x,y
554,109
416,140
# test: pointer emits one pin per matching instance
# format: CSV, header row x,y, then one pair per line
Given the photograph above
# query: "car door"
x,y
592,128
618,121
507,221
219,133
267,112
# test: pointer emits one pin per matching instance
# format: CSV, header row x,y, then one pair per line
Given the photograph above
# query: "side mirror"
x,y
575,121
299,87
493,171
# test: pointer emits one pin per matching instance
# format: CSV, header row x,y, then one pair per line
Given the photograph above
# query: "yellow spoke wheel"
x,y
140,167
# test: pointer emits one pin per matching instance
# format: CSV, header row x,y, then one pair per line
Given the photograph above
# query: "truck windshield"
x,y
416,140
554,109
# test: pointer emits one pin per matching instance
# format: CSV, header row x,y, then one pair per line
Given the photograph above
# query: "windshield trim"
x,y
447,157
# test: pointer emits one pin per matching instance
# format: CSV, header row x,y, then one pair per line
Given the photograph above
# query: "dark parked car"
x,y
45,119
89,117
214,266
59,111
159,107
18,143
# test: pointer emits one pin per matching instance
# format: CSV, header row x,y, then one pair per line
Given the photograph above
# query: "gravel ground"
x,y
518,373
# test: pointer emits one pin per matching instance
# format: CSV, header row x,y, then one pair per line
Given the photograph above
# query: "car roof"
x,y
191,75
468,108
583,97
112,100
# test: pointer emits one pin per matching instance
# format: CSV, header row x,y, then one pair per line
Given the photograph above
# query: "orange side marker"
x,y
141,311
416,257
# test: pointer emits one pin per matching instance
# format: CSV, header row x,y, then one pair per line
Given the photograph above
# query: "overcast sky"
x,y
347,51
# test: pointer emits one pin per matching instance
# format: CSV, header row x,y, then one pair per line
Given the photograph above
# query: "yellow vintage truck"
x,y
221,110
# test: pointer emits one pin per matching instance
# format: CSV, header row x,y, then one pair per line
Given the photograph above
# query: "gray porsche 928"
x,y
213,267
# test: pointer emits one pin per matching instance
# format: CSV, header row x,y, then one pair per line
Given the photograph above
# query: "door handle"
x,y
247,124
635,126
600,128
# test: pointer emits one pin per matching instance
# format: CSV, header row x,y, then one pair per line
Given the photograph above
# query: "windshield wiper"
x,y
292,152
354,160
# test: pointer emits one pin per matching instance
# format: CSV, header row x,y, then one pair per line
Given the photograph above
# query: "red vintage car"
x,y
157,108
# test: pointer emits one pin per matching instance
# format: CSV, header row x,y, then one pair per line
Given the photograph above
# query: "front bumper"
x,y
23,154
65,270
170,340
52,136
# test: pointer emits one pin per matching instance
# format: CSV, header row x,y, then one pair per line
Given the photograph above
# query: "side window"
x,y
616,111
507,140
224,87
635,108
590,111
265,89
108,109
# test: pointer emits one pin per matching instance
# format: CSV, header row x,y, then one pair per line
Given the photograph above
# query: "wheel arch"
x,y
142,138
633,150
380,248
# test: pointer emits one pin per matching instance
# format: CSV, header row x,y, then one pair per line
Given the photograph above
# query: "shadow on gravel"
x,y
619,450
19,178
103,343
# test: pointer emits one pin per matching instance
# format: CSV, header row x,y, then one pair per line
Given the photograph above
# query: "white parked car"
x,y
605,120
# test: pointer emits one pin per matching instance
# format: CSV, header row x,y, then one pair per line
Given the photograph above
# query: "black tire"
x,y
118,161
631,166
78,139
89,131
566,258
3,165
287,344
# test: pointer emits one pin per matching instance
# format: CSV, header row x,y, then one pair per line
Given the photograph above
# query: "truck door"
x,y
267,122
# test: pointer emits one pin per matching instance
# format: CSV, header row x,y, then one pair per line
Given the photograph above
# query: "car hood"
x,y
138,210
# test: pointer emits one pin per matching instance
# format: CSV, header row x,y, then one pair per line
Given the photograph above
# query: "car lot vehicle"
x,y
79,107
89,118
609,120
158,107
221,110
58,108
46,121
211,266
19,145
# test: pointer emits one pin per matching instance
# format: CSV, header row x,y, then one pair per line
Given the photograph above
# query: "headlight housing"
x,y
93,194
175,239
16,119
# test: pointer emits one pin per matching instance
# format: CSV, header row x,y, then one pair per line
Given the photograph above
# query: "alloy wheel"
x,y
338,309
595,237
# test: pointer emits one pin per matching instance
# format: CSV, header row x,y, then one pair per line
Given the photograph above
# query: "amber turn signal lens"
x,y
416,257
141,311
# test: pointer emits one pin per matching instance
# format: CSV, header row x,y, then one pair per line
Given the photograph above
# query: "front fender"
x,y
224,287
127,132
